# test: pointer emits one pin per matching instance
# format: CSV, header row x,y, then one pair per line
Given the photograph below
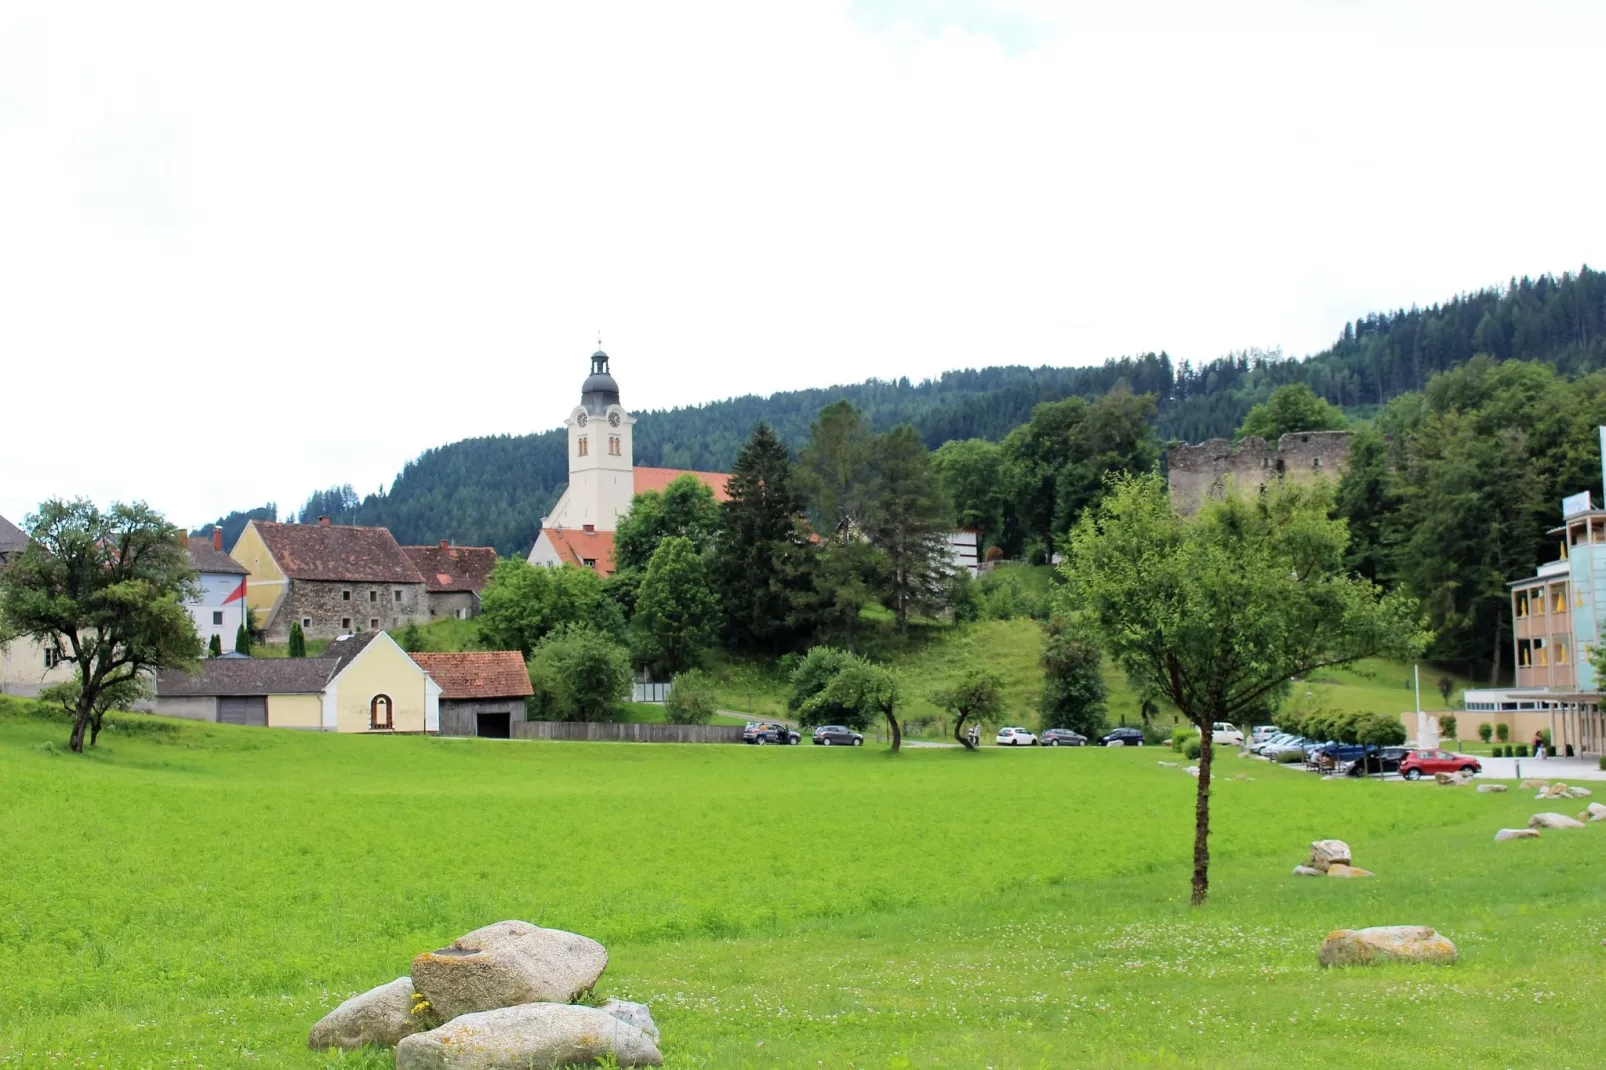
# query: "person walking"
x,y
975,736
1539,745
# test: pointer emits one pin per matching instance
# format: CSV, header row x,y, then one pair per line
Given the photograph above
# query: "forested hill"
x,y
494,491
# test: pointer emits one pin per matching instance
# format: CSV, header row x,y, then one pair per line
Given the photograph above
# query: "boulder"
x,y
1169,765
380,1016
1554,821
1307,871
1324,853
505,964
1579,793
1517,834
1339,869
1553,791
1487,789
1192,770
636,1014
1443,779
1596,812
1528,785
1383,943
532,1036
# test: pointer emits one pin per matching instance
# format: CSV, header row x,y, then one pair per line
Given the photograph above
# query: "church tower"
x,y
601,456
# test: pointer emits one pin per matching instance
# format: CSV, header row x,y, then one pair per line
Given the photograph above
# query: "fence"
x,y
640,692
608,731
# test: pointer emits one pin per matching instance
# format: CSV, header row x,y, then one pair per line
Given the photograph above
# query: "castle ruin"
x,y
1210,468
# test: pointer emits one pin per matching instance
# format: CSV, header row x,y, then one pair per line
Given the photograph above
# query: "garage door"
x,y
243,709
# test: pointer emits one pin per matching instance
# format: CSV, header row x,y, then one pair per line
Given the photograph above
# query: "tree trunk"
x,y
897,733
1201,820
94,728
959,733
79,723
1499,648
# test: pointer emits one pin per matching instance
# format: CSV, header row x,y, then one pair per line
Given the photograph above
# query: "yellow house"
x,y
360,683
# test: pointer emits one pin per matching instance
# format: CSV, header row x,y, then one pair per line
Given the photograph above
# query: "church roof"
x,y
599,390
658,478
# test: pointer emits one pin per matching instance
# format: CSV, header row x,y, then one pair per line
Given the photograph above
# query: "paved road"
x,y
1567,769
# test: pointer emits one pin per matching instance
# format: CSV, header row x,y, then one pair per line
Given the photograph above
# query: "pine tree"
x,y
764,564
214,649
298,640
908,517
242,640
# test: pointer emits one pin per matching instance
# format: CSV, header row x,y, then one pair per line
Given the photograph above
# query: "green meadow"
x,y
198,895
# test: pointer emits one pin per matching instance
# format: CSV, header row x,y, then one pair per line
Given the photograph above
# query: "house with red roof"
x,y
482,691
603,479
454,576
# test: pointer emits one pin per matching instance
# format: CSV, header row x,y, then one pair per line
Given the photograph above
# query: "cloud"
x,y
245,253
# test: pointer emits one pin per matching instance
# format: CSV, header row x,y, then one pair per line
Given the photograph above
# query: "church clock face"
x,y
613,419
580,419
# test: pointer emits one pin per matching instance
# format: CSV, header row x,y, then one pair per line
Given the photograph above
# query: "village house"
x,y
332,579
359,684
220,608
603,479
454,576
482,692
26,665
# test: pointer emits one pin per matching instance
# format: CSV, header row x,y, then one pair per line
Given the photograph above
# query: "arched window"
x,y
379,713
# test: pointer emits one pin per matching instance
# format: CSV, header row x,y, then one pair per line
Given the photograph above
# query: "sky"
x,y
250,251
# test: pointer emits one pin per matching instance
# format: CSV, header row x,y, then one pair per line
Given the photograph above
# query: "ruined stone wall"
x,y
1210,468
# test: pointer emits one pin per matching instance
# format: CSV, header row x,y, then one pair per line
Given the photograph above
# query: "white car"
x,y
1016,737
1222,732
1263,732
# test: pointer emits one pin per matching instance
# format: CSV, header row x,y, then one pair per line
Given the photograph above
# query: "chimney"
x,y
589,529
217,539
323,521
443,544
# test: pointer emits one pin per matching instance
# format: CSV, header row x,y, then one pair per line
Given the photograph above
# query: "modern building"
x,y
482,692
603,479
454,576
360,683
220,608
333,579
1556,615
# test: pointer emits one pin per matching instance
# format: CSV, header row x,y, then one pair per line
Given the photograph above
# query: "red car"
x,y
1416,763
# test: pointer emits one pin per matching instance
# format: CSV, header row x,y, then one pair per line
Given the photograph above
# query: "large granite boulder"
x,y
1517,834
506,964
380,1016
1554,821
1385,943
532,1036
1339,869
1324,853
636,1014
1490,789
1596,812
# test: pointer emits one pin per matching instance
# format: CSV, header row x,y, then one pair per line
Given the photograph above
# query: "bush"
x,y
1191,748
1569,750
1180,735
1447,726
1603,762
1502,732
214,649
1485,731
691,699
1522,750
578,674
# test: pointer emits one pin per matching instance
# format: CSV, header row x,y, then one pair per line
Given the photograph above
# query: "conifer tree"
x,y
298,640
908,517
214,649
242,640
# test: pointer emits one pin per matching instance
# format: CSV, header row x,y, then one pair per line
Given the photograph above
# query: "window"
x,y
379,714
306,622
584,449
1561,653
373,596
613,445
589,562
373,624
52,657
345,624
345,596
395,596
1522,604
217,618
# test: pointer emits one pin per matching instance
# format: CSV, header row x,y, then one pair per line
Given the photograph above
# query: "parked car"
x,y
1063,737
835,735
1016,737
1263,732
1125,737
762,732
1280,741
1222,732
1380,760
1416,763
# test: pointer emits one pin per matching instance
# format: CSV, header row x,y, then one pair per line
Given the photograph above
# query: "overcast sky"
x,y
247,251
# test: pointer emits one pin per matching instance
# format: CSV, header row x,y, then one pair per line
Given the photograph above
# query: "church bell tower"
x,y
601,455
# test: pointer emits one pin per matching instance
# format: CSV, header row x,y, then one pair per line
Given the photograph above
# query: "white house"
x,y
221,608
26,665
603,479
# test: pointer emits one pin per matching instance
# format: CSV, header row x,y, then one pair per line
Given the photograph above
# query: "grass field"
x,y
197,895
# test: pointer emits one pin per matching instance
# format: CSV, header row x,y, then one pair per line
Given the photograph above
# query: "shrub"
x,y
298,640
1502,732
1485,731
1522,750
1447,726
1191,747
691,699
1180,735
1603,762
1569,750
214,649
578,674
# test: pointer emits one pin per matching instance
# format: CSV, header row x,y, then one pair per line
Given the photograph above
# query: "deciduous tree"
x,y
523,603
686,508
578,674
106,591
978,695
1219,611
861,692
1073,679
1294,407
677,612
691,699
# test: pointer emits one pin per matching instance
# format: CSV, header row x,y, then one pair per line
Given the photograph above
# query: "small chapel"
x,y
603,479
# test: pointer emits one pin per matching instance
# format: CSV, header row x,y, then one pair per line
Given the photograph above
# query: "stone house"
x,y
1208,470
334,580
359,684
454,576
482,692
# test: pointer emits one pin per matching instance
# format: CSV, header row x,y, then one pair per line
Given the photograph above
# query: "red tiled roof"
x,y
481,674
576,546
337,552
452,568
659,478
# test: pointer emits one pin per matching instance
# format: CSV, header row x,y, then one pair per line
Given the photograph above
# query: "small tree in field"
x,y
298,639
812,675
864,692
691,699
242,640
979,694
1446,685
105,591
1485,731
214,649
1219,611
